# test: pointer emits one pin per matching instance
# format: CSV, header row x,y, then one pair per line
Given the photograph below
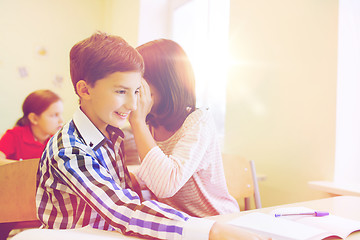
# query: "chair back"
x,y
17,191
241,180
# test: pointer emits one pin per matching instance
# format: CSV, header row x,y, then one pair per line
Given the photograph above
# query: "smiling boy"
x,y
82,179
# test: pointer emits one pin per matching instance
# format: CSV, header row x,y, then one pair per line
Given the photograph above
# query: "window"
x,y
347,155
201,28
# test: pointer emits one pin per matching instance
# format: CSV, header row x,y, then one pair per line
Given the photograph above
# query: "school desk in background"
x,y
17,196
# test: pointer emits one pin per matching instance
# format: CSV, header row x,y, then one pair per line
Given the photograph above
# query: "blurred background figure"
x,y
42,118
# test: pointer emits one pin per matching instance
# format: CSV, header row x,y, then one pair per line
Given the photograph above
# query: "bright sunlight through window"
x,y
201,28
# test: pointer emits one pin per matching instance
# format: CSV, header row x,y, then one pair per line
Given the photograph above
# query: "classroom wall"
x,y
122,19
281,95
28,26
281,87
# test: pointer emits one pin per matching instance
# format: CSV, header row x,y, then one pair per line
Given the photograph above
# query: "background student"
x,y
82,179
177,143
42,118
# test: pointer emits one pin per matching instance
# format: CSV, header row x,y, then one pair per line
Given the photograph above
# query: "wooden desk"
x,y
336,188
345,206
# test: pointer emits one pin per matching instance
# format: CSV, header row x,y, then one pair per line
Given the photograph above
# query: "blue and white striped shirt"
x,y
83,181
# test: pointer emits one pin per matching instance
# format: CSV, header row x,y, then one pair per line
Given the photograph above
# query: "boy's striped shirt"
x,y
82,181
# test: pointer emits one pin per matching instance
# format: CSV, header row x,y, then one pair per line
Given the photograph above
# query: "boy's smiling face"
x,y
111,99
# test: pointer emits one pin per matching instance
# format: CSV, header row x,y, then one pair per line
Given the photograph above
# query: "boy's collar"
x,y
89,132
92,136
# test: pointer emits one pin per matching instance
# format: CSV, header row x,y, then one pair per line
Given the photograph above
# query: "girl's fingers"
x,y
145,101
146,88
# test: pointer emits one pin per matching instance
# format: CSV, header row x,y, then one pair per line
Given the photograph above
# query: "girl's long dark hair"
x,y
168,69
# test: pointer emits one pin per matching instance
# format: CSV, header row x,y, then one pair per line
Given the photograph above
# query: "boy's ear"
x,y
33,118
82,89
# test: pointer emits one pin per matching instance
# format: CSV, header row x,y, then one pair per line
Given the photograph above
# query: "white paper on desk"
x,y
277,228
297,227
332,224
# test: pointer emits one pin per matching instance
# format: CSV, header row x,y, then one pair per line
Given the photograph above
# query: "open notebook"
x,y
297,227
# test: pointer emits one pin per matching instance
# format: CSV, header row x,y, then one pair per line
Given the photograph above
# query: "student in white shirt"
x,y
180,156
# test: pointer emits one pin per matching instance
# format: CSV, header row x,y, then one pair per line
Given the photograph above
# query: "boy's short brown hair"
x,y
100,55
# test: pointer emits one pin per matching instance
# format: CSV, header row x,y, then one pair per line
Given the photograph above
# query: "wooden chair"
x,y
17,196
241,180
